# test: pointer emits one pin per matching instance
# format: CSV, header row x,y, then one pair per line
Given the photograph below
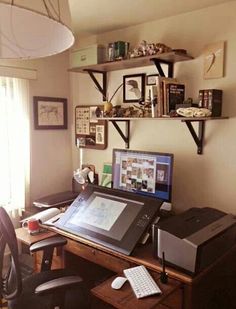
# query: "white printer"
x,y
194,239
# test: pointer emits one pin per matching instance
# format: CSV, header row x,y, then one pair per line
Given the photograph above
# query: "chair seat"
x,y
75,298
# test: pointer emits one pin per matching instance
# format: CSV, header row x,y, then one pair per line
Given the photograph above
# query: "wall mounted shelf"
x,y
170,57
102,68
198,137
167,58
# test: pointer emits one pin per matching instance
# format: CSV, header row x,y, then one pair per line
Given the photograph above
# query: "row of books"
x,y
169,94
211,99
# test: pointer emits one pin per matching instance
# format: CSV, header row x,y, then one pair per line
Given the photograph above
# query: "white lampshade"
x,y
34,28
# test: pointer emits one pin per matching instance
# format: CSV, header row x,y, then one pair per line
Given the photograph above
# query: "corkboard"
x,y
90,132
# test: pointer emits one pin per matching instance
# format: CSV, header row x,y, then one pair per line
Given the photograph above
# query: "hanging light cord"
x,y
50,14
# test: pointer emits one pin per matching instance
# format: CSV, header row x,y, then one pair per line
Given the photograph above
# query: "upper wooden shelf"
x,y
133,62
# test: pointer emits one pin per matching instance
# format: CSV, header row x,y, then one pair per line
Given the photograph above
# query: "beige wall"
x,y
199,180
51,164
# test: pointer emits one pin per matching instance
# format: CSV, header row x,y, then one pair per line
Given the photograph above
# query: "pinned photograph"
x,y
99,134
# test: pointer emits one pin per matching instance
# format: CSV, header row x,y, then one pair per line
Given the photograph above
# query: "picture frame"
x,y
50,113
134,88
151,79
213,55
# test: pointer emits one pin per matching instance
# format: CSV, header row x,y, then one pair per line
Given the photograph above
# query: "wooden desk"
x,y
199,291
27,239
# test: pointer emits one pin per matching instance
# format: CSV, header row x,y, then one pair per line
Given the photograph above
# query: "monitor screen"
x,y
147,173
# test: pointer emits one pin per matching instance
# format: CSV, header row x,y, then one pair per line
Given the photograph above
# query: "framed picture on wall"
x,y
151,79
50,113
133,88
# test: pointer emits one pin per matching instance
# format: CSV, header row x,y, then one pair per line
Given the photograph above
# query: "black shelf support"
x,y
102,89
125,136
198,138
158,62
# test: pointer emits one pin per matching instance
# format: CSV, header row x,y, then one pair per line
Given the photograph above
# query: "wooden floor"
x,y
3,304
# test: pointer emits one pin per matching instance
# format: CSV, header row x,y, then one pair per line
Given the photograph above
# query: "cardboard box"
x,y
90,55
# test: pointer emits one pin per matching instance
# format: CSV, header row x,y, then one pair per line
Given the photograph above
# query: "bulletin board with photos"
x,y
90,132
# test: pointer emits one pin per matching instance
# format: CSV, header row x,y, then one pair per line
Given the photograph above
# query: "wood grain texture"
x,y
133,63
124,298
25,237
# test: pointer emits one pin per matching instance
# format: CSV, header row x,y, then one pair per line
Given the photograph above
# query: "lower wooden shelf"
x,y
198,137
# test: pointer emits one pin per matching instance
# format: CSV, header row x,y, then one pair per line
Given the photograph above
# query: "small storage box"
x,y
90,55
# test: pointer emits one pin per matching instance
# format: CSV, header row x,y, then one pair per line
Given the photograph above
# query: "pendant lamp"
x,y
34,28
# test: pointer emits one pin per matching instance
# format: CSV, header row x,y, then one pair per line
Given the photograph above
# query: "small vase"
x,y
107,107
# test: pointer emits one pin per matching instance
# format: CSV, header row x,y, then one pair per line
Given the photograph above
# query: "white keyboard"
x,y
141,281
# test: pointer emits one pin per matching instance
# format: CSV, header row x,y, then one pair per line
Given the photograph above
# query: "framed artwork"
x,y
50,113
90,131
133,88
214,60
151,79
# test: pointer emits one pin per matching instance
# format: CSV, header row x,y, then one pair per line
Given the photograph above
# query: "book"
x,y
46,217
212,99
106,180
175,95
162,83
165,82
200,98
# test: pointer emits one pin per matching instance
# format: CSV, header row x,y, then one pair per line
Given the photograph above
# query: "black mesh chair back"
x,y
11,283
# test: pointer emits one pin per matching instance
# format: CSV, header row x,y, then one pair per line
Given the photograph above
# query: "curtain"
x,y
14,143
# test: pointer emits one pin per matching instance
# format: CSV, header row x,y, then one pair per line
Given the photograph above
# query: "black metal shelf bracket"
x,y
102,89
198,138
158,63
125,136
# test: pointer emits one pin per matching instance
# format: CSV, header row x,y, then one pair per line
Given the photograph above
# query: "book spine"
x,y
205,99
215,102
200,98
159,97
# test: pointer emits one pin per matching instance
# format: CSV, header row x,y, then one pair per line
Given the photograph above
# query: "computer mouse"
x,y
118,282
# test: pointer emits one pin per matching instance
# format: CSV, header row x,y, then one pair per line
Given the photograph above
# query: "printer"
x,y
195,238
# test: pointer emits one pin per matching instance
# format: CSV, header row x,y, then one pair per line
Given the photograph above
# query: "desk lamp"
x,y
84,175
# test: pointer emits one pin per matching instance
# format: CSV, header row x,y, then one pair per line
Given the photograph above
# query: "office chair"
x,y
45,290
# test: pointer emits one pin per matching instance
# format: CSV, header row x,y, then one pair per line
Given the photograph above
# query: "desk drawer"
x,y
97,256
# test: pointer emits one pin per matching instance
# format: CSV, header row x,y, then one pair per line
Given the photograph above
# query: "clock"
x,y
214,60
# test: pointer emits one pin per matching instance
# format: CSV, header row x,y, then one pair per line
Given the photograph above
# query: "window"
x,y
14,142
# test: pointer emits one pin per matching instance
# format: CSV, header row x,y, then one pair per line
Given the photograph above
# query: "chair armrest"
x,y
59,283
51,242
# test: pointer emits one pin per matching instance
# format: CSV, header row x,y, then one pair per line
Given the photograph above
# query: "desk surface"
x,y
142,255
25,237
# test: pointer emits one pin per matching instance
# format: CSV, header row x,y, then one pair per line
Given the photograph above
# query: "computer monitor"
x,y
146,173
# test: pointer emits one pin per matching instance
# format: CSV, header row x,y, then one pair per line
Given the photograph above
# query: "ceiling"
x,y
96,16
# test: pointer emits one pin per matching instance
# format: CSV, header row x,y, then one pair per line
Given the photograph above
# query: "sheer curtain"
x,y
14,143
